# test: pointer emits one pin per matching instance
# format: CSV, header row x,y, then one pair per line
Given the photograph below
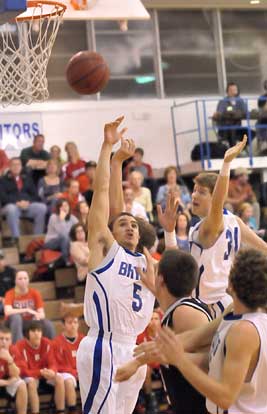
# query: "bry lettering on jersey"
x,y
128,270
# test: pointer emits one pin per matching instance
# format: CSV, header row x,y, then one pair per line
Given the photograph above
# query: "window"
x,y
188,52
130,56
244,36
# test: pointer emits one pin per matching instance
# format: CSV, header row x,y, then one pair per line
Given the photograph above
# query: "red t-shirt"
x,y
32,299
4,373
77,172
65,353
144,337
31,360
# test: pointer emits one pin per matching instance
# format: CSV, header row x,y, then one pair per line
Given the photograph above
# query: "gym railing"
x,y
201,118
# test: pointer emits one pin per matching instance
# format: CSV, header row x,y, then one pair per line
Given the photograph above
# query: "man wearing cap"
x,y
7,279
240,191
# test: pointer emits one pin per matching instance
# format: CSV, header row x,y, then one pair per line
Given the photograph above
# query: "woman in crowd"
x,y
75,167
141,194
55,154
79,250
50,187
182,230
23,303
171,176
59,225
82,211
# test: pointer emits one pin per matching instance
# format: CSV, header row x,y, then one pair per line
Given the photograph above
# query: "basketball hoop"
x,y
25,52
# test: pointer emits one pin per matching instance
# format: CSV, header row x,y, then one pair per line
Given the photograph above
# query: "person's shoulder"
x,y
146,190
34,292
46,343
10,293
26,149
244,331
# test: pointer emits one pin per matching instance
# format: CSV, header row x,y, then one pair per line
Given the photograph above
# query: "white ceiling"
x,y
205,4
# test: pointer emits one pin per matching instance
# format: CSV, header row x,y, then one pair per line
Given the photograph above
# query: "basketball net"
x,y
25,51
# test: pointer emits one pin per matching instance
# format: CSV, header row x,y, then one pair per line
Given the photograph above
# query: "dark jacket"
x,y
9,192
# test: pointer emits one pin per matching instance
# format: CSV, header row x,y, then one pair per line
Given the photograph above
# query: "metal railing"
x,y
202,121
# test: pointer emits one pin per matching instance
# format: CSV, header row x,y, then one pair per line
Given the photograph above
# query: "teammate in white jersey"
x,y
236,382
117,305
216,238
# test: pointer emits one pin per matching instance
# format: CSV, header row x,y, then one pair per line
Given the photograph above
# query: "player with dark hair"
x,y
176,279
117,305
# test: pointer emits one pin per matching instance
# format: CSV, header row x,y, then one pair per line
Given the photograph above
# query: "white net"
x,y
25,49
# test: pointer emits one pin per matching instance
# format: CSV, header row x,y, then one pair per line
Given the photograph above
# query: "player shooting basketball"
x,y
118,306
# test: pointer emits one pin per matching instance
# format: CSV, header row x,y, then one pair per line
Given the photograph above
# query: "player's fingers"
x,y
122,132
119,120
159,210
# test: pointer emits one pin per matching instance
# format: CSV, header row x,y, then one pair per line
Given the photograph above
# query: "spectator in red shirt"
x,y
73,195
23,303
75,168
38,367
137,164
10,383
66,346
150,334
4,162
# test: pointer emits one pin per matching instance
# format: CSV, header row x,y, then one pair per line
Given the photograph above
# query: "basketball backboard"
x,y
9,9
106,10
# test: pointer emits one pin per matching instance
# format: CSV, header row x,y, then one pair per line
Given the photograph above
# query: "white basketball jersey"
x,y
115,299
215,262
253,394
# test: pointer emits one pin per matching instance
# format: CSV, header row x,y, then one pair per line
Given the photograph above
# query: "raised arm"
x,y
168,219
100,238
250,238
212,225
125,151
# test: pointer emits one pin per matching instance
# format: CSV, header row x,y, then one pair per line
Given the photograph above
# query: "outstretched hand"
x,y
171,348
125,151
111,133
234,151
148,276
168,218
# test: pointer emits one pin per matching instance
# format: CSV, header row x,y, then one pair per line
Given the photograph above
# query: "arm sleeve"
x,y
24,157
9,297
51,359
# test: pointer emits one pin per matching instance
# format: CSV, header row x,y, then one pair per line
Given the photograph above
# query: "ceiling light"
x,y
254,1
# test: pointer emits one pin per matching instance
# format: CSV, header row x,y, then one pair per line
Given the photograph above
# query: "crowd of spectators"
x,y
56,196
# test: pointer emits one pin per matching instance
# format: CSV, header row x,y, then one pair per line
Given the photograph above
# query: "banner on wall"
x,y
17,131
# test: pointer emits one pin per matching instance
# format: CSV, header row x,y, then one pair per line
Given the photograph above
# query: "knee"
x,y
15,319
69,385
22,388
59,381
11,209
41,209
64,241
32,385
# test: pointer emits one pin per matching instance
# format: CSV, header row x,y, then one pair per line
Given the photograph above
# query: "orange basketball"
x,y
87,72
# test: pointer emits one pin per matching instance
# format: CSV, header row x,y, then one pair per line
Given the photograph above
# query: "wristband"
x,y
225,169
170,239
